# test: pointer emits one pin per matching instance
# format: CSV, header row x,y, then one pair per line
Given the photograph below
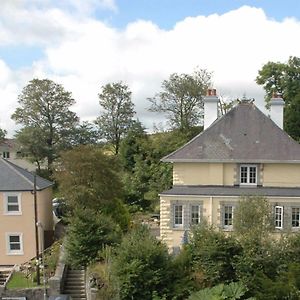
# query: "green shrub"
x,y
142,266
88,232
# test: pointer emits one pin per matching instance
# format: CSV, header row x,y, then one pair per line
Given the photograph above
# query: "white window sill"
x,y
15,253
17,213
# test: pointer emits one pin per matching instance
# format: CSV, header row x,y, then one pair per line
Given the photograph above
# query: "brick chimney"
x,y
276,109
210,107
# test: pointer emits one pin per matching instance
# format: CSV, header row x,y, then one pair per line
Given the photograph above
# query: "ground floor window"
x,y
14,243
178,215
228,215
195,214
279,217
295,216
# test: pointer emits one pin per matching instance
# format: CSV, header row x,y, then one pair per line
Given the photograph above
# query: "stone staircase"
x,y
4,275
74,284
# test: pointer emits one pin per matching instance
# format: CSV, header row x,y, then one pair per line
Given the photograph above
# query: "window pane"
x,y
14,239
243,174
252,175
295,216
12,199
178,215
16,246
195,214
13,208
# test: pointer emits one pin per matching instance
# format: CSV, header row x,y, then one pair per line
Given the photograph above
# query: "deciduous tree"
x,y
44,108
181,99
118,113
284,78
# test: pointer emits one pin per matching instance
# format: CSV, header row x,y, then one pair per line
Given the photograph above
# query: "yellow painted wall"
x,y
211,212
284,175
203,174
24,224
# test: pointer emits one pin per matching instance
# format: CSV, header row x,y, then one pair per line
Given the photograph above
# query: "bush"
x,y
88,232
142,266
213,255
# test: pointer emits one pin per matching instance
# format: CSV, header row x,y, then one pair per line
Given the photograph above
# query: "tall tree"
x,y
118,112
181,99
284,78
45,110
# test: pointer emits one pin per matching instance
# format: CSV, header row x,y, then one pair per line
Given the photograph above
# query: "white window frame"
x,y
9,251
248,166
178,225
298,218
226,226
198,212
6,211
278,216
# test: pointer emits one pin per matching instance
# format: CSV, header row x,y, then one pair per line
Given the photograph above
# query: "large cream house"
x,y
17,213
243,152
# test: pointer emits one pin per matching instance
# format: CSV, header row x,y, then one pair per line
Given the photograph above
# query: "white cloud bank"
x,y
84,54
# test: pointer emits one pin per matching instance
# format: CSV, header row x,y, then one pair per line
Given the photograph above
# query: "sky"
x,y
85,44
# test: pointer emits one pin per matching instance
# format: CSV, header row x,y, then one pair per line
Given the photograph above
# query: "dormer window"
x,y
248,174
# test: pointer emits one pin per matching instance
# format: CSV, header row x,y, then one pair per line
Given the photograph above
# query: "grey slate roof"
x,y
14,178
244,134
231,191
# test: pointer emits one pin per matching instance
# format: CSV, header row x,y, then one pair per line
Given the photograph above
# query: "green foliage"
x,y
213,255
88,178
285,79
142,266
115,120
181,99
2,135
85,134
88,232
231,291
252,208
44,112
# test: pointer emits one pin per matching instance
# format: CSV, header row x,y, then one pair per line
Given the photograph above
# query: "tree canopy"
x,y
284,78
181,99
88,178
118,112
44,111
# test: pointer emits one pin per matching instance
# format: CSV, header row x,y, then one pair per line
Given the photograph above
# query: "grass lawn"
x,y
19,280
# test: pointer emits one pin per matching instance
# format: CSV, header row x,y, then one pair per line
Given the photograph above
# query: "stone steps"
x,y
74,284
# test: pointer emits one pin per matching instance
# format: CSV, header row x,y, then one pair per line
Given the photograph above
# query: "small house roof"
x,y
244,134
15,178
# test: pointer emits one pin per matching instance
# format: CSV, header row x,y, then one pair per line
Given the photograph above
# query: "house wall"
x,y
211,211
203,173
24,224
283,175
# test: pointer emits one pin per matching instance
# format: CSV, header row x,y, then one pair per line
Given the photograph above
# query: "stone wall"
x,y
30,294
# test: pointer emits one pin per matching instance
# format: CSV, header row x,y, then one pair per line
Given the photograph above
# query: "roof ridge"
x,y
14,167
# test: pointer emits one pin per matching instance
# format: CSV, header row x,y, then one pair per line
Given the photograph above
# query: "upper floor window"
x,y
248,174
278,217
228,215
14,243
195,214
178,215
12,204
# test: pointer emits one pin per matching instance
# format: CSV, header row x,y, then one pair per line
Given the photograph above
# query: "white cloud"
x,y
85,53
